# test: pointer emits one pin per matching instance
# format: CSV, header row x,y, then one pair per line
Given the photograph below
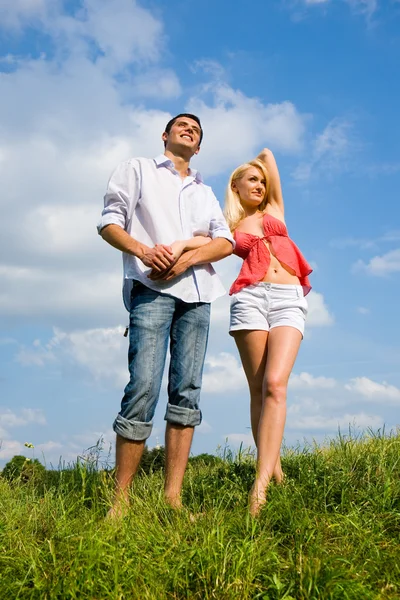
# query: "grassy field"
x,y
332,531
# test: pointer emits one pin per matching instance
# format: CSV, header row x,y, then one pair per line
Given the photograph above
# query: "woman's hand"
x,y
178,248
181,246
199,240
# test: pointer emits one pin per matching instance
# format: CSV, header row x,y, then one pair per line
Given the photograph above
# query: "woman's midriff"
x,y
278,272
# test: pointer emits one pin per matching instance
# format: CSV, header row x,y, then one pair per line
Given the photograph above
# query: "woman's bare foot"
x,y
279,478
257,499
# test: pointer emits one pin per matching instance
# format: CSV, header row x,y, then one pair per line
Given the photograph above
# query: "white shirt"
x,y
150,201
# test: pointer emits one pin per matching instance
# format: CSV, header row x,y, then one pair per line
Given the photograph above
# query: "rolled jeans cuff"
x,y
188,417
132,430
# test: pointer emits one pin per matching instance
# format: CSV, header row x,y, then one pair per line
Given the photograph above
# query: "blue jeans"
x,y
155,320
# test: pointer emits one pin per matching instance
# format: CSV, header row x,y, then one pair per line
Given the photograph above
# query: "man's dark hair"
x,y
189,116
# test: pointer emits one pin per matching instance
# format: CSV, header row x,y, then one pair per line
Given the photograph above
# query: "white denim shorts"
x,y
263,306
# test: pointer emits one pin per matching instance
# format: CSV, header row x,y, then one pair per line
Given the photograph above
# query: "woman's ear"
x,y
234,186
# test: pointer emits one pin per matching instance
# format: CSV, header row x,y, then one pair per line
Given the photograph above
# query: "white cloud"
x,y
237,439
15,13
100,352
380,266
37,356
204,428
307,381
120,31
363,310
329,423
350,242
124,31
61,296
49,446
305,405
364,243
9,420
318,312
364,7
329,151
156,83
9,448
231,116
373,390
222,373
384,168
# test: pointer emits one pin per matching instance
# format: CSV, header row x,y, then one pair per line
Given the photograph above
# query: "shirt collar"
x,y
162,160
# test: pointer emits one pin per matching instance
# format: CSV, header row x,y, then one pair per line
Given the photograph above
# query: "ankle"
x,y
261,482
121,495
257,499
173,499
279,477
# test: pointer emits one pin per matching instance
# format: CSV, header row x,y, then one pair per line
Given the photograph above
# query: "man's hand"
x,y
159,259
182,264
208,252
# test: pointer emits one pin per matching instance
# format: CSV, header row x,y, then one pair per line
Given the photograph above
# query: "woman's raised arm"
x,y
275,188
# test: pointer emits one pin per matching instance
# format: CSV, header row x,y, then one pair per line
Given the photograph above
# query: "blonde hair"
x,y
233,209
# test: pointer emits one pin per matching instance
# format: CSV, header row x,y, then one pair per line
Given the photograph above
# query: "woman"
x,y
268,307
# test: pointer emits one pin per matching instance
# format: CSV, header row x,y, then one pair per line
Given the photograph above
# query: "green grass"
x,y
331,532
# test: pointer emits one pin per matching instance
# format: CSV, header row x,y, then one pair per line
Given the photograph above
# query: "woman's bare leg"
x,y
283,346
252,346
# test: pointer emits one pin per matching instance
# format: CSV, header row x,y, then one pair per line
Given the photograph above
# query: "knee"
x,y
256,394
275,390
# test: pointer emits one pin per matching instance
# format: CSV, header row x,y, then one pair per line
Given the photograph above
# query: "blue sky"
x,y
86,84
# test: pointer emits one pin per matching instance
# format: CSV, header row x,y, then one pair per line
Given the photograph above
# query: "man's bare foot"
x,y
119,509
194,517
174,502
257,499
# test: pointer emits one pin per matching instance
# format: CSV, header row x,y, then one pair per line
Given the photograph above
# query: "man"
x,y
149,204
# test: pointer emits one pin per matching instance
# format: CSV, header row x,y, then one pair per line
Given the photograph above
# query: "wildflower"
x,y
29,445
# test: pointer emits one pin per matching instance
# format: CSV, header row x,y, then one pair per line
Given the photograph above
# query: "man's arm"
x,y
212,252
158,258
120,200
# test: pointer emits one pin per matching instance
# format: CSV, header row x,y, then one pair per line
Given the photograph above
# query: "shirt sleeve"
x,y
122,195
218,224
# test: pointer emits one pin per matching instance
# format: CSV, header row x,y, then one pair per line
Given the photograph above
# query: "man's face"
x,y
185,132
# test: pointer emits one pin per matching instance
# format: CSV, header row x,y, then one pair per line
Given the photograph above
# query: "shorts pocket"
x,y
289,295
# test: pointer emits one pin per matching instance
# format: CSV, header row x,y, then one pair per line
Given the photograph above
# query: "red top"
x,y
257,258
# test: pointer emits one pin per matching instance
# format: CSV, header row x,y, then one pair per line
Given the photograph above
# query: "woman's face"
x,y
251,187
